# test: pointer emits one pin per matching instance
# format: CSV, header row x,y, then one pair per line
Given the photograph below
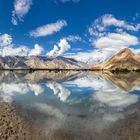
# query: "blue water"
x,y
87,106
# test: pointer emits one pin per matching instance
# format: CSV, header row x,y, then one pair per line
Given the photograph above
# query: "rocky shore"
x,y
14,126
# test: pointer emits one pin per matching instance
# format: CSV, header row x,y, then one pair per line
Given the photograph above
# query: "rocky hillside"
x,y
39,62
123,60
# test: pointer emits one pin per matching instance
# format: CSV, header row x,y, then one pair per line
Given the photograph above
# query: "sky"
x,y
87,30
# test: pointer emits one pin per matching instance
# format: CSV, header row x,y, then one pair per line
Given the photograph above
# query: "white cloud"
x,y
116,40
108,41
48,29
110,20
53,52
73,38
101,25
14,51
36,51
110,44
21,8
64,46
7,48
59,49
20,51
106,47
5,40
94,56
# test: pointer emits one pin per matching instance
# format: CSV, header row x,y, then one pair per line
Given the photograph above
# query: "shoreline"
x,y
39,69
13,126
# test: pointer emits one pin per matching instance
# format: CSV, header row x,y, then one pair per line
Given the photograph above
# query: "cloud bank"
x,y
7,48
108,35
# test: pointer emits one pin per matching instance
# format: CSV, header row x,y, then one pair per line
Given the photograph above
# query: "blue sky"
x,y
87,30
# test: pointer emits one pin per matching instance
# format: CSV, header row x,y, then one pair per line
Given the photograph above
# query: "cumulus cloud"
x,y
101,25
36,51
48,29
21,8
108,42
5,40
108,35
59,49
116,40
7,48
14,51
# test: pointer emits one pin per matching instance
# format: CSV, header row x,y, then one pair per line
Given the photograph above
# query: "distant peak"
x,y
126,50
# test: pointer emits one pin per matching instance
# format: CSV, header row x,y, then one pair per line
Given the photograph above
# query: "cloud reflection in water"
x,y
65,109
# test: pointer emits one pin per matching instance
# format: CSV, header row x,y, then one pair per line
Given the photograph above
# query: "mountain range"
x,y
124,60
39,62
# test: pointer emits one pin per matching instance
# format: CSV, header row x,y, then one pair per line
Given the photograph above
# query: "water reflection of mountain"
x,y
110,90
79,104
126,81
106,84
38,76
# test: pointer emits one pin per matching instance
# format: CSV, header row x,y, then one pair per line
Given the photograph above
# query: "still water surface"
x,y
76,105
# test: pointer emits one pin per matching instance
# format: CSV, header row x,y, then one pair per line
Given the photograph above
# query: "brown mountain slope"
x,y
39,62
125,59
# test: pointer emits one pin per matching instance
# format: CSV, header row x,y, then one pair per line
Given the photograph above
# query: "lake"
x,y
70,105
